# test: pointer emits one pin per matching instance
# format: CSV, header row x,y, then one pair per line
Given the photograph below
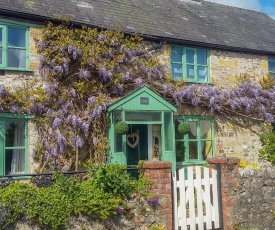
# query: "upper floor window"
x,y
271,66
13,45
195,146
189,64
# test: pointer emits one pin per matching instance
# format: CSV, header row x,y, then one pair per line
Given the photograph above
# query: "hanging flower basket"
x,y
184,127
121,128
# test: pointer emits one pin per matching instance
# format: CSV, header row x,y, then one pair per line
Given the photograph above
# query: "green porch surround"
x,y
145,109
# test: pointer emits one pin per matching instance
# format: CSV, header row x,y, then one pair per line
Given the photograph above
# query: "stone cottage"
x,y
202,43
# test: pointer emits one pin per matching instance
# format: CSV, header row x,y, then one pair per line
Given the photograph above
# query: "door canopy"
x,y
142,99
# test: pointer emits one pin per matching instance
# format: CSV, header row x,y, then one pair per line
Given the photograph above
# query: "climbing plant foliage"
x,y
83,70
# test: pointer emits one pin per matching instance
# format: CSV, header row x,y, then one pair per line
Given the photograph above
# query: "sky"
x,y
265,6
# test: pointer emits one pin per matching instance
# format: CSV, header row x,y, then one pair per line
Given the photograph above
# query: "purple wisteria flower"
x,y
2,91
76,121
75,55
71,49
56,123
119,210
77,142
50,89
105,74
85,127
139,82
97,112
118,89
154,201
101,37
84,74
55,150
126,76
91,101
59,69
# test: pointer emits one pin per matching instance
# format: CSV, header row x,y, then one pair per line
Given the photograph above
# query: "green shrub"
x,y
184,127
121,128
14,202
91,201
268,141
99,197
113,179
50,207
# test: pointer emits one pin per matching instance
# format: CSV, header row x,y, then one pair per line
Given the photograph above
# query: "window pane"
x,y
193,150
16,37
1,37
143,116
193,133
190,71
205,128
1,54
168,127
202,57
202,73
271,65
176,54
180,151
15,161
190,56
15,134
16,58
118,143
207,149
177,71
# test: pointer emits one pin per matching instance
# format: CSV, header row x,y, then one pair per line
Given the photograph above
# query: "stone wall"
x,y
248,195
140,215
256,199
225,68
235,141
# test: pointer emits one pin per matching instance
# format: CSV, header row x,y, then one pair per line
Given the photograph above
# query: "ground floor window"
x,y
198,144
13,146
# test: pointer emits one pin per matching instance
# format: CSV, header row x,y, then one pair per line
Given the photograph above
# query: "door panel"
x,y
137,151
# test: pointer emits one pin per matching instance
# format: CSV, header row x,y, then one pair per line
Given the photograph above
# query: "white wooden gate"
x,y
196,203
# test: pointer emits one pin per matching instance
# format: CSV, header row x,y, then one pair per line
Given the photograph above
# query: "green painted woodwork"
x,y
194,147
186,59
140,109
132,102
5,46
4,118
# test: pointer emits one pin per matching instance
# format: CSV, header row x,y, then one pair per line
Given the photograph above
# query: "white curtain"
x,y
18,155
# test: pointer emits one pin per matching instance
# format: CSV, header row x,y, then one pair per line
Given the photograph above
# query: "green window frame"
x,y
196,146
14,45
271,66
13,144
190,64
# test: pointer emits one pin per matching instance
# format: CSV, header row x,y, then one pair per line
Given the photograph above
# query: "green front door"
x,y
137,144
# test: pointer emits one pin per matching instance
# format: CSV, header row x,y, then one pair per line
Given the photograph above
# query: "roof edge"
x,y
35,17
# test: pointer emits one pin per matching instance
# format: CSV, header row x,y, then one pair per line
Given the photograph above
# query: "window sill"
x,y
199,82
15,69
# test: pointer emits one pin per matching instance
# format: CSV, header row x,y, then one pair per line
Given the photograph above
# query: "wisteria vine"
x,y
85,70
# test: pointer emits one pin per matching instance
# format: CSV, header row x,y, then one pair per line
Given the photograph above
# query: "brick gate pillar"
x,y
160,173
229,174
